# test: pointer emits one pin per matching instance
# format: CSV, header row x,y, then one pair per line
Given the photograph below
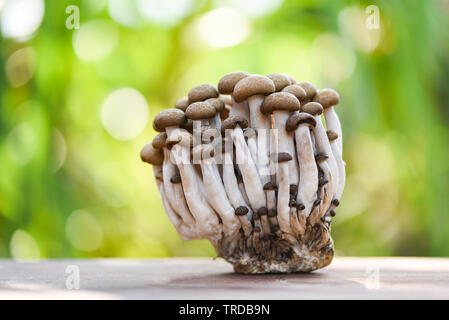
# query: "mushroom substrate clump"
x,y
252,166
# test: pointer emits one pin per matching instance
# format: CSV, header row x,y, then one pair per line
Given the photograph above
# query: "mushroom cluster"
x,y
250,166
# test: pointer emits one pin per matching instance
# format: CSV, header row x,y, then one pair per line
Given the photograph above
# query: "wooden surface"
x,y
353,278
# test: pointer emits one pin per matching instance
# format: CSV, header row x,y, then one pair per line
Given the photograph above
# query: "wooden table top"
x,y
202,278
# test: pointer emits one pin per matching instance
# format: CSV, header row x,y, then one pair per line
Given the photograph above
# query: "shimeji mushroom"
x,y
329,98
202,93
208,224
226,87
253,89
219,106
251,139
333,138
170,120
200,113
216,194
301,123
281,105
230,182
283,209
327,164
263,210
323,146
251,180
182,103
280,80
310,90
155,156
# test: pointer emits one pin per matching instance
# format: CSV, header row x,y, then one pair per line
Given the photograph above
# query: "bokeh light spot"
x,y
95,39
83,231
124,113
253,8
334,58
124,12
351,21
21,143
164,13
20,66
222,28
21,18
23,246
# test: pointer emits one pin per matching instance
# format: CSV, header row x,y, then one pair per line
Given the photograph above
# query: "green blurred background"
x,y
76,106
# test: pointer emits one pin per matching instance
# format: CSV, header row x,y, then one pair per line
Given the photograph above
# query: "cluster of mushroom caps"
x,y
251,167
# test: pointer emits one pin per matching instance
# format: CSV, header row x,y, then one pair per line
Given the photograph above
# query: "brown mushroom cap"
x,y
281,157
176,179
327,98
182,103
202,92
269,186
169,118
200,111
280,80
152,155
233,121
227,82
225,112
314,108
310,89
188,125
297,91
291,78
184,138
217,103
280,101
241,211
253,85
331,135
159,140
299,118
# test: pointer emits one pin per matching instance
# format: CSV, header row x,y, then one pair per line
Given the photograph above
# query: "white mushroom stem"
x,y
208,224
271,199
239,109
245,196
325,196
323,147
336,151
251,180
333,123
233,192
308,171
217,197
184,231
174,192
285,143
296,225
283,198
252,146
262,124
